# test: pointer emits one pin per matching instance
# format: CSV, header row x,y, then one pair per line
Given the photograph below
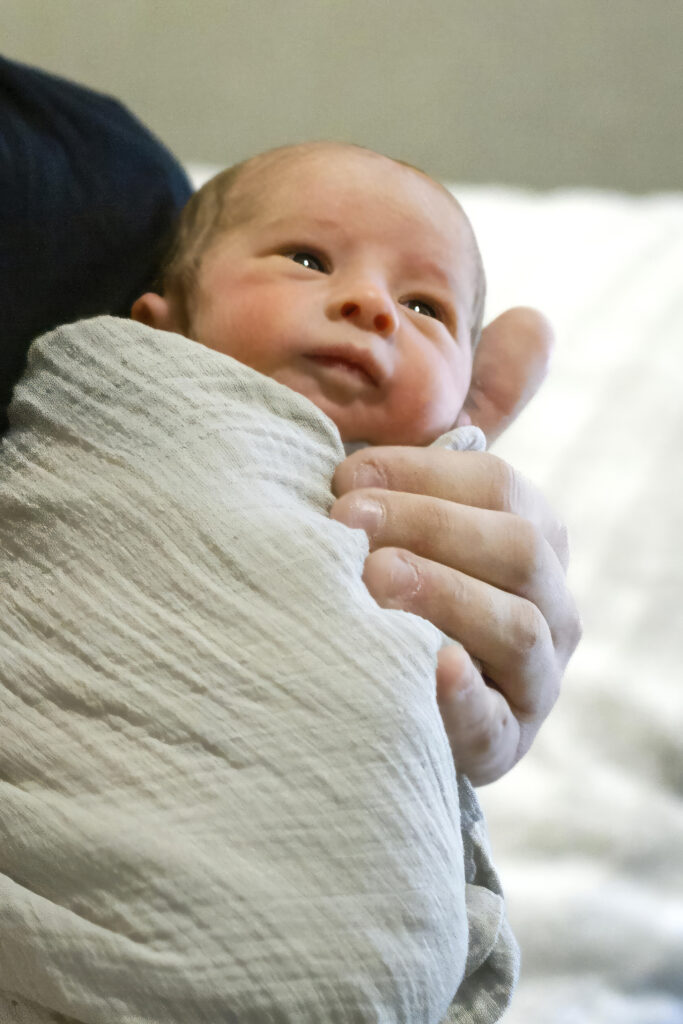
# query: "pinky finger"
x,y
483,733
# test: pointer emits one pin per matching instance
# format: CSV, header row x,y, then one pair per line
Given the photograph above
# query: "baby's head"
x,y
349,277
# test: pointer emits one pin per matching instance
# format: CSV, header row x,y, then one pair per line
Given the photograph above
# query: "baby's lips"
x,y
361,356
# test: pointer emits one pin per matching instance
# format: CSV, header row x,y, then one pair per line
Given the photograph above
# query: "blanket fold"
x,y
226,793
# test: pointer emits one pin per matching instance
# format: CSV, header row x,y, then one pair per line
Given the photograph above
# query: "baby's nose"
x,y
371,310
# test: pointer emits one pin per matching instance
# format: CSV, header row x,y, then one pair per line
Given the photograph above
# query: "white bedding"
x,y
588,831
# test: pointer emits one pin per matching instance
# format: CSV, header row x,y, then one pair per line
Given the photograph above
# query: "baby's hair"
x,y
231,198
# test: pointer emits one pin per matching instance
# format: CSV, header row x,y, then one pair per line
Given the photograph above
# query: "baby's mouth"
x,y
357,361
344,365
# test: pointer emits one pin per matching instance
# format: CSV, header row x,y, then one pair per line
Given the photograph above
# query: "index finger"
x,y
478,479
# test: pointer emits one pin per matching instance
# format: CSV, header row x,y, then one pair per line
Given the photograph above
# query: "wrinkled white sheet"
x,y
226,792
588,831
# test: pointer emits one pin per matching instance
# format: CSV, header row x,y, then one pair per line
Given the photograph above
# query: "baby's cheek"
x,y
248,334
419,411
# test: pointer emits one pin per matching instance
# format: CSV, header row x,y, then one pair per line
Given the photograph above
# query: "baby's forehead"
x,y
324,161
342,175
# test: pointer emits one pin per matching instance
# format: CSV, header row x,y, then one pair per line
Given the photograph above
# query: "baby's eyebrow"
x,y
427,268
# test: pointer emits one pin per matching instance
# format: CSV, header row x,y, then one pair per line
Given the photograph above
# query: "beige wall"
x,y
532,92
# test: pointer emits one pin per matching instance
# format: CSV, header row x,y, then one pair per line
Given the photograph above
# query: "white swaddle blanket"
x,y
226,792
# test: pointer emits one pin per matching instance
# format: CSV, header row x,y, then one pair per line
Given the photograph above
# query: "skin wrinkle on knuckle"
x,y
521,498
503,486
537,708
515,492
437,517
455,587
530,569
532,638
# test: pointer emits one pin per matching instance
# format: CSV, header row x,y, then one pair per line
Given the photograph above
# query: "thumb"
x,y
510,364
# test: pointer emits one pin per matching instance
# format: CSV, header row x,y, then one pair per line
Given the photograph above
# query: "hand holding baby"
x,y
463,540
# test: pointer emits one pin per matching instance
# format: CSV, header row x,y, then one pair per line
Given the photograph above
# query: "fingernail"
x,y
364,514
369,475
405,581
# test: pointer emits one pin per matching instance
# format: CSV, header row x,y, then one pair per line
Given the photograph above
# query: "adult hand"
x,y
465,541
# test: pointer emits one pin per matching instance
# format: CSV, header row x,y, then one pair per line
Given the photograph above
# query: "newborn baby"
x,y
349,277
228,794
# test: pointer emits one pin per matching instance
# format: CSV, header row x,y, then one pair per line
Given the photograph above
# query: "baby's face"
x,y
353,285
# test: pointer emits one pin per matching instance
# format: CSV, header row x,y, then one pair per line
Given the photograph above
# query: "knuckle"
x,y
503,485
567,636
510,494
537,704
436,517
508,488
531,548
531,633
493,730
482,744
516,494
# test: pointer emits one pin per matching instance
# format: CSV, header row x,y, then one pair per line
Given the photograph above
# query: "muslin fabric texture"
x,y
226,790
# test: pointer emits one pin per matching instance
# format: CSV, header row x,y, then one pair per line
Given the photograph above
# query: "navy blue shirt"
x,y
87,198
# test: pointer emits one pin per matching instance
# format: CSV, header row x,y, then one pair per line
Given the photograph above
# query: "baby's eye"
x,y
307,259
420,306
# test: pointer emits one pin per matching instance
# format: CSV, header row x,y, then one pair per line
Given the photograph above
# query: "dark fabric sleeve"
x,y
87,198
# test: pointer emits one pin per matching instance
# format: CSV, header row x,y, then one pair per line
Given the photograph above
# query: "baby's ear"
x,y
155,311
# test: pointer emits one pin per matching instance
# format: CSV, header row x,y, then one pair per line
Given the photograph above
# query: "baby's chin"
x,y
370,426
364,417
376,436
